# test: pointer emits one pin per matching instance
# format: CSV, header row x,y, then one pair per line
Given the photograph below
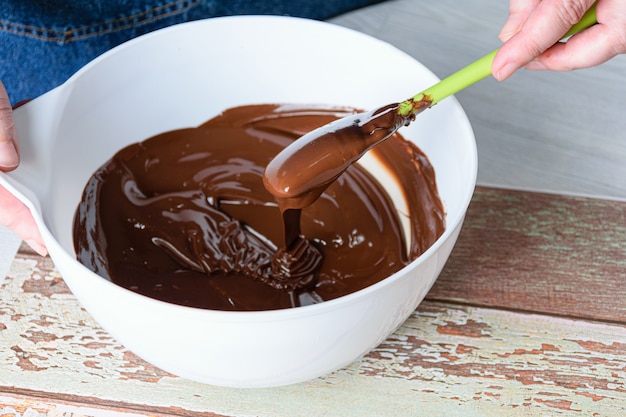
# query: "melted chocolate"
x,y
302,171
184,216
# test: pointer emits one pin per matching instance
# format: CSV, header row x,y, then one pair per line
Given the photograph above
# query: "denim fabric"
x,y
43,42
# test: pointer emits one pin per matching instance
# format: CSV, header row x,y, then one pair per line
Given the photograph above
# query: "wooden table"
x,y
527,318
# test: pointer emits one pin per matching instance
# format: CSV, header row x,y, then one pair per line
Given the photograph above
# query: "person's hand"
x,y
534,27
13,213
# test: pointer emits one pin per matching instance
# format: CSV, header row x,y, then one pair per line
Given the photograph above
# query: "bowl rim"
x,y
285,313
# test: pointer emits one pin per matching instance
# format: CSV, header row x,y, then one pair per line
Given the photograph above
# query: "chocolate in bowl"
x,y
180,76
184,217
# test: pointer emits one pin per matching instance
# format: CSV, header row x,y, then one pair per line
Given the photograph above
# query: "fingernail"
x,y
37,247
505,72
8,155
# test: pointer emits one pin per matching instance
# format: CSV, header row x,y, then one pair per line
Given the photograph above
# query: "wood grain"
x,y
445,357
540,252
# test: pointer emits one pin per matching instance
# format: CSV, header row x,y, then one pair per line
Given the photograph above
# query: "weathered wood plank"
x,y
446,359
540,252
33,404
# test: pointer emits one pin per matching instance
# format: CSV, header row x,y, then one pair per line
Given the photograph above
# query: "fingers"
x,y
544,26
13,213
591,47
17,217
581,51
9,157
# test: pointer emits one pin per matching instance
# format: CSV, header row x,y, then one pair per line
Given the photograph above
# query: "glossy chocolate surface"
x,y
184,216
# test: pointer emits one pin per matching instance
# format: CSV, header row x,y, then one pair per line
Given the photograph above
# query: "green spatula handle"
x,y
473,73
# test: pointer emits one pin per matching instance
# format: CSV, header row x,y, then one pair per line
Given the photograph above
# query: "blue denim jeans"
x,y
43,42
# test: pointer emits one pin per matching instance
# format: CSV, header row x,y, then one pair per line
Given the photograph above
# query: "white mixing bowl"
x,y
180,77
